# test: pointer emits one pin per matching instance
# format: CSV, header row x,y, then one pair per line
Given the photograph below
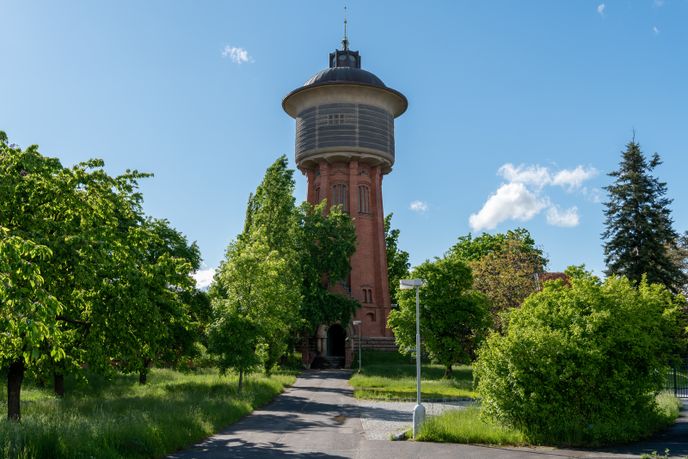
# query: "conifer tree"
x,y
638,223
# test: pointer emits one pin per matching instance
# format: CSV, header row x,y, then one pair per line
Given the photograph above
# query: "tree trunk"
x,y
241,380
448,372
15,376
58,384
143,374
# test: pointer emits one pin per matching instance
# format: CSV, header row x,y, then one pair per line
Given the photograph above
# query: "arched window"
x,y
367,295
339,196
363,199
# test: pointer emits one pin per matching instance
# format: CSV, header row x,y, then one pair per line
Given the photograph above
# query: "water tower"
x,y
345,145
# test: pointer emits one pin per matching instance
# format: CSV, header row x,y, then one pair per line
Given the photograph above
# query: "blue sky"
x,y
517,110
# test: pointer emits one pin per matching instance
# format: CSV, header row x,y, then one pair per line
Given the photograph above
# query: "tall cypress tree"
x,y
638,222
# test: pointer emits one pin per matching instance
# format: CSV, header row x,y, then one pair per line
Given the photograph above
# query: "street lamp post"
x,y
419,409
358,322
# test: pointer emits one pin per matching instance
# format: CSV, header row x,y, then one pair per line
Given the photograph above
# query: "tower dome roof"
x,y
345,75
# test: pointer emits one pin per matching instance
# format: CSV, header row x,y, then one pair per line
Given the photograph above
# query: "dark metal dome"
x,y
345,75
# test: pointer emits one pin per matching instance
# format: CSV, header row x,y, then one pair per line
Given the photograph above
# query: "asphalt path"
x,y
318,417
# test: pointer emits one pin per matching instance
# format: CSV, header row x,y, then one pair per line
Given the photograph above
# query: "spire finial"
x,y
345,41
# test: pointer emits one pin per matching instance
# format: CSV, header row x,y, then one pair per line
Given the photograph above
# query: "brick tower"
x,y
345,145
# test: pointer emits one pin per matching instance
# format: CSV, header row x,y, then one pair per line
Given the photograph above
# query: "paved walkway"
x,y
318,418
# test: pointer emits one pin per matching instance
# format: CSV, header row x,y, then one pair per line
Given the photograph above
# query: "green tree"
x,y
234,338
506,267
453,318
106,262
507,276
261,274
153,307
27,313
397,260
638,223
326,240
580,363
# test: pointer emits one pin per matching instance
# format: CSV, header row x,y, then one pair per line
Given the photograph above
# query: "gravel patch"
x,y
381,420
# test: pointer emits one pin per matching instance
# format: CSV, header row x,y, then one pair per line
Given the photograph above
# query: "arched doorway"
x,y
336,337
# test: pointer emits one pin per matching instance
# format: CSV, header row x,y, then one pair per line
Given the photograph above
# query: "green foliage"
x,y
27,310
468,425
326,241
507,276
259,283
118,418
453,318
397,260
506,267
580,364
122,281
471,248
638,223
274,279
234,338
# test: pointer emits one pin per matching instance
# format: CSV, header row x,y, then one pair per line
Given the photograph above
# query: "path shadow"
x,y
241,449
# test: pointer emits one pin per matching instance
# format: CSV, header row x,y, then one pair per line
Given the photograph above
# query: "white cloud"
x,y
236,54
572,179
564,218
522,197
512,201
655,30
419,206
537,176
204,277
600,9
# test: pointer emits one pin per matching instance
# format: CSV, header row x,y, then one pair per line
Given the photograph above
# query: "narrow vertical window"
x,y
363,199
317,194
339,192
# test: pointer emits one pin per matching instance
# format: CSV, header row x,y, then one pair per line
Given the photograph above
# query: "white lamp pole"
x,y
358,322
419,409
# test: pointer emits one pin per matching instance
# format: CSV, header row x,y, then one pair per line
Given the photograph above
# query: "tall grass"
x,y
465,426
121,419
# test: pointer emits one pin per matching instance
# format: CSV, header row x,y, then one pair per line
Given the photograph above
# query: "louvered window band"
x,y
344,125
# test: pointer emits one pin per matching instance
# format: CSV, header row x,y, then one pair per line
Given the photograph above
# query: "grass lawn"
x,y
390,376
465,426
118,418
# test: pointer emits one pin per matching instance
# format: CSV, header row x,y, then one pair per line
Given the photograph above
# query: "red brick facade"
x,y
362,185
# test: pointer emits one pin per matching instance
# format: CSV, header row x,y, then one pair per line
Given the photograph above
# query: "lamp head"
x,y
408,284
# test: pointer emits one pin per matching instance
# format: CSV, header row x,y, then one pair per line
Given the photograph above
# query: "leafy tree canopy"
x,y
506,267
453,318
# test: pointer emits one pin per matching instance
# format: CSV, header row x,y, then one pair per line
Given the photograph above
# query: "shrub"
x,y
581,364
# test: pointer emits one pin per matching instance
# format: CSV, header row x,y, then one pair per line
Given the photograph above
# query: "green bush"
x,y
581,364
